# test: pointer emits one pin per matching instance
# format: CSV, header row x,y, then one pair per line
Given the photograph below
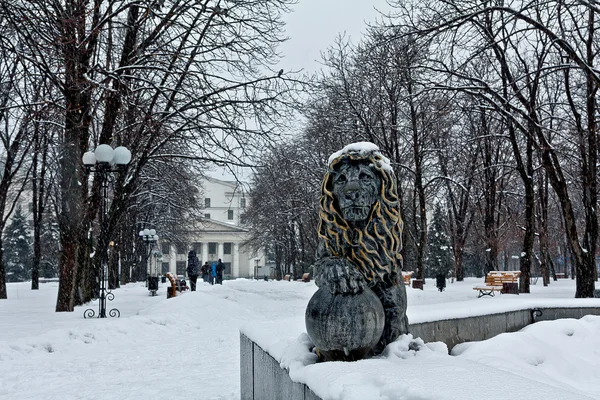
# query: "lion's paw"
x,y
339,276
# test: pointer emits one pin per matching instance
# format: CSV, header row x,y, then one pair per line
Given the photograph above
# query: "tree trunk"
x,y
38,198
420,215
542,217
458,264
68,271
35,262
528,239
3,293
70,218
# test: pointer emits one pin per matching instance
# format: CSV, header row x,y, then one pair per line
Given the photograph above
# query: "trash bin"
x,y
417,284
153,283
510,288
440,282
163,279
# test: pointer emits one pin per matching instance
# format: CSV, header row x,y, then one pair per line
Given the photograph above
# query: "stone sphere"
x,y
344,327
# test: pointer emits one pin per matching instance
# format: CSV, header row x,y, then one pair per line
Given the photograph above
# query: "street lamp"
x,y
150,237
256,260
158,256
103,161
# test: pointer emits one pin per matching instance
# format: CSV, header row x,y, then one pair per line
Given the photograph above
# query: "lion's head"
x,y
360,216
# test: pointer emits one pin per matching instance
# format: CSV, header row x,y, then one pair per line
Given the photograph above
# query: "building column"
x,y
235,268
172,260
204,252
220,250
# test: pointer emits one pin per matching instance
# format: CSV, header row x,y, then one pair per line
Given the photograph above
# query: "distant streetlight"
x,y
150,237
158,256
256,260
103,161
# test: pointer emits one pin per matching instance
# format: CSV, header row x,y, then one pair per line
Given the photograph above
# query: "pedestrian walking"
x,y
205,271
220,269
193,269
213,273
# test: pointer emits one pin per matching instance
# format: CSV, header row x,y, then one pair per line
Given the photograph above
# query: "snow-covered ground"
x,y
188,347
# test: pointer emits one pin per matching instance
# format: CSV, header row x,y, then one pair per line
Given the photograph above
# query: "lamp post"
x,y
256,260
158,256
103,161
150,237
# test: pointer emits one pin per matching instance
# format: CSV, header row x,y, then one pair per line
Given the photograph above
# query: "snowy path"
x,y
188,346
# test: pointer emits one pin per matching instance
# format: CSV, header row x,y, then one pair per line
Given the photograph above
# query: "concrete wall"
x,y
263,379
455,331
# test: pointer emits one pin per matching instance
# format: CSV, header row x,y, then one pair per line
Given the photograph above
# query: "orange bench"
x,y
305,278
495,280
176,285
406,276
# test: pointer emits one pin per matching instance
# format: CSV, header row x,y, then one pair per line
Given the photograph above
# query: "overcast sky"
x,y
313,25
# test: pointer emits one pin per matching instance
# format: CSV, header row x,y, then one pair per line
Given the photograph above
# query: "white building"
x,y
220,234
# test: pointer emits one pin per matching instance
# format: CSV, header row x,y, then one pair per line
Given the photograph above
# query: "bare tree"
x,y
144,75
458,160
16,97
548,30
41,179
381,82
283,213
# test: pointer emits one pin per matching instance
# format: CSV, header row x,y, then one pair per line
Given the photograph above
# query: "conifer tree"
x,y
439,252
49,248
17,248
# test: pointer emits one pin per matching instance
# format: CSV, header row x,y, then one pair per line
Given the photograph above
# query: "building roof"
x,y
232,184
214,226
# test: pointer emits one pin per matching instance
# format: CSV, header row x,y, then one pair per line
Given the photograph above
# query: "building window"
x,y
243,219
230,215
180,267
227,270
207,216
227,248
165,268
30,206
197,247
207,202
181,249
166,248
243,202
212,248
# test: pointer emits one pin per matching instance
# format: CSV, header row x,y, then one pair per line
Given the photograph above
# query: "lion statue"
x,y
360,233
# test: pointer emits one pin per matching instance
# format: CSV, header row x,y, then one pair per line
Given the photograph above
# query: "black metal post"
x,y
151,281
104,294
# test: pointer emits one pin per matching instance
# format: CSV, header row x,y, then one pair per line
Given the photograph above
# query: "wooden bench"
x,y
495,280
406,276
287,277
177,285
305,278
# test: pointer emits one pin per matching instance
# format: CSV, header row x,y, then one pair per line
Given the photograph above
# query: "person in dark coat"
x,y
193,269
213,273
220,269
205,271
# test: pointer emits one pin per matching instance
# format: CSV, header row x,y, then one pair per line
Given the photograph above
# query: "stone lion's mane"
x,y
375,250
